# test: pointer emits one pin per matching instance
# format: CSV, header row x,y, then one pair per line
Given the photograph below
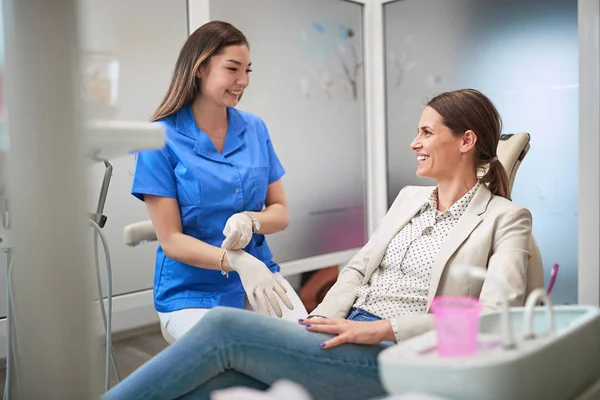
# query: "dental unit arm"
x,y
106,139
98,217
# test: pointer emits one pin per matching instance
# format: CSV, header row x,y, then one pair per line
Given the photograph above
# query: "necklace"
x,y
216,137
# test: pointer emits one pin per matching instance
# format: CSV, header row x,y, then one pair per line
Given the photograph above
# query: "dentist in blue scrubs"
x,y
214,191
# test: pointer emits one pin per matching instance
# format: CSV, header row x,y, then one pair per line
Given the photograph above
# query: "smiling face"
x,y
226,76
439,151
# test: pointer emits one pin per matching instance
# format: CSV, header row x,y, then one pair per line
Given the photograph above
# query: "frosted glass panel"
x,y
3,174
144,38
524,56
307,85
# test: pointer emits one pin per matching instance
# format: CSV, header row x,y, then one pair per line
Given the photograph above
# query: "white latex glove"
x,y
259,283
238,232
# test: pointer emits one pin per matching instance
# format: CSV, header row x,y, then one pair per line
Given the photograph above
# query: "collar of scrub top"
x,y
236,125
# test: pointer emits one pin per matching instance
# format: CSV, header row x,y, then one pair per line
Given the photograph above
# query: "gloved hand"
x,y
259,283
238,232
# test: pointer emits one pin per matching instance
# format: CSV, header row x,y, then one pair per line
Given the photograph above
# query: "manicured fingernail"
x,y
300,320
322,345
307,325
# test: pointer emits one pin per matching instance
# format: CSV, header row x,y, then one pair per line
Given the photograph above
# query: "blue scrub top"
x,y
210,187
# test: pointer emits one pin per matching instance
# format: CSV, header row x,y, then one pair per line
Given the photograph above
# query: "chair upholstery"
x,y
512,149
139,233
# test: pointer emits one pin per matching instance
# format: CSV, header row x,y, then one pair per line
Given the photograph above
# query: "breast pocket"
x,y
189,192
260,178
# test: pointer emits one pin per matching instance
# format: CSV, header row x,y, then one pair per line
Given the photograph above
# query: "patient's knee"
x,y
224,317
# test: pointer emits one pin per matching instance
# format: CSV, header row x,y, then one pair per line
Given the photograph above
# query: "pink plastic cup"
x,y
457,325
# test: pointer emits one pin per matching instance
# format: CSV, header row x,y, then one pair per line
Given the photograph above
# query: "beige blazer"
x,y
493,233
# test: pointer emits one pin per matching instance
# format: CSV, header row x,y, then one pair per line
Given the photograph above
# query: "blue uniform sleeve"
x,y
154,175
276,171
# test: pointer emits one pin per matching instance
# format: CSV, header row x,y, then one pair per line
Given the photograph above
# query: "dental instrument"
x,y
507,335
538,296
553,276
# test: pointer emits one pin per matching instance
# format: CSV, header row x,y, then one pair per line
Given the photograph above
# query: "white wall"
x,y
589,147
198,14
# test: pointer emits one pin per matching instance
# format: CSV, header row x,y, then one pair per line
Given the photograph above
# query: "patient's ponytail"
x,y
468,109
496,178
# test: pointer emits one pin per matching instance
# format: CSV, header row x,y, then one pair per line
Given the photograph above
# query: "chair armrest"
x,y
139,233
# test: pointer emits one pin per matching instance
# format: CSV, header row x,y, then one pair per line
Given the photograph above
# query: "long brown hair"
x,y
208,40
468,109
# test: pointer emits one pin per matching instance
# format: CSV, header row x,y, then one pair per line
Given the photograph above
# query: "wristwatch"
x,y
255,222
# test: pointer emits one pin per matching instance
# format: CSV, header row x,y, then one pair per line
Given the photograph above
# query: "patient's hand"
x,y
358,332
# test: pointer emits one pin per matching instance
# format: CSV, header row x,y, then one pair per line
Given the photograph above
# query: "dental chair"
x,y
140,233
511,151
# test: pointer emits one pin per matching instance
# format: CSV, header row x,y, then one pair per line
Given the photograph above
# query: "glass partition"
x,y
126,70
524,56
3,175
308,85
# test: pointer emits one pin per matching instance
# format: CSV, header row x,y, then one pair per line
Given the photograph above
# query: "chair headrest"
x,y
512,149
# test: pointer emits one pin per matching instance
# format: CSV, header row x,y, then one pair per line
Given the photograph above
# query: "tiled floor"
x,y
130,351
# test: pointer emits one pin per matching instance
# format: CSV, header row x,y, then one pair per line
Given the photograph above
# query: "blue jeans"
x,y
356,314
231,347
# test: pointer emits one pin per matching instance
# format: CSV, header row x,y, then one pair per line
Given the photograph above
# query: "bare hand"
x,y
347,331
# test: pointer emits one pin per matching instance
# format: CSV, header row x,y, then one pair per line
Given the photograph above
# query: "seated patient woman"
x,y
384,293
